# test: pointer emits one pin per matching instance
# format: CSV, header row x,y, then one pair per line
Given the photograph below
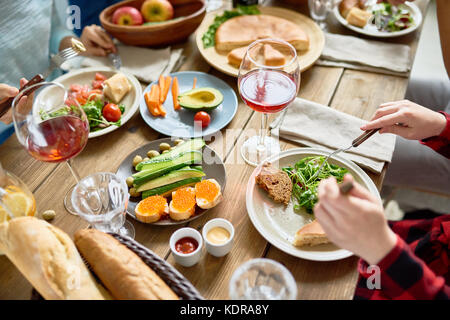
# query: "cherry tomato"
x,y
99,76
111,112
203,117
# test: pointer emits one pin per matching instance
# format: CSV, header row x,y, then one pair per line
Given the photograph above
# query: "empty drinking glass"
x,y
262,279
319,10
102,199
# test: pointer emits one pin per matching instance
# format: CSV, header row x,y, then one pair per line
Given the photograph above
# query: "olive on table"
x,y
134,193
136,160
48,214
152,153
130,181
164,146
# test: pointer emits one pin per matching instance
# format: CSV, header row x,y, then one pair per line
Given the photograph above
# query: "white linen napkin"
x,y
316,125
145,64
368,55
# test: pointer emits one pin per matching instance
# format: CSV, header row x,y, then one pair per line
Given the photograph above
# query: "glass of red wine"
x,y
268,81
50,130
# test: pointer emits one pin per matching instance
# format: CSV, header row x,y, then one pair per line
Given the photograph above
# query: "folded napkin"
x,y
145,64
316,125
368,55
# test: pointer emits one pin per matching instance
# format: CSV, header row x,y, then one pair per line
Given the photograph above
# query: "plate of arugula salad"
x,y
380,19
97,90
277,222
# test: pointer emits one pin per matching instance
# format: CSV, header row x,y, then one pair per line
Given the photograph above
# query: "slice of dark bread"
x,y
276,182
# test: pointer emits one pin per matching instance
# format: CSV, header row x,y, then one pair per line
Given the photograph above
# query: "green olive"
x,y
178,142
165,151
145,159
152,153
48,214
164,146
130,181
134,193
136,160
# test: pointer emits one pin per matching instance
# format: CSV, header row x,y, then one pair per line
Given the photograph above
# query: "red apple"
x,y
157,10
127,16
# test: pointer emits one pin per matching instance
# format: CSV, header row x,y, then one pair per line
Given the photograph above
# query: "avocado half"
x,y
201,99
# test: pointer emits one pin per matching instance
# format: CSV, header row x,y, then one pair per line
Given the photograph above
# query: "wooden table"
x,y
354,92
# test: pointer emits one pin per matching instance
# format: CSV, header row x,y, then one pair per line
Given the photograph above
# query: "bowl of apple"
x,y
153,22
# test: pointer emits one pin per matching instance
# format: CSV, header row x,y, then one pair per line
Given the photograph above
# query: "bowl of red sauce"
x,y
186,246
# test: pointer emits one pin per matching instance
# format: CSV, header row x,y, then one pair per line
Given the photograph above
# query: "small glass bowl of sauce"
x,y
218,235
186,245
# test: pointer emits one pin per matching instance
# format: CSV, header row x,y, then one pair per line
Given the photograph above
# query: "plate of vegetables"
x,y
105,109
188,104
172,181
381,19
278,223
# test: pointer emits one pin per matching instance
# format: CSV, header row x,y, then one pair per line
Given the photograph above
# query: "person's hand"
x,y
355,221
7,92
408,120
97,41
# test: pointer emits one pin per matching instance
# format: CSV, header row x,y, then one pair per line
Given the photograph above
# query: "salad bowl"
x,y
85,76
278,224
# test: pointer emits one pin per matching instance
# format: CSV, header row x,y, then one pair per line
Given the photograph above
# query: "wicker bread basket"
x,y
175,280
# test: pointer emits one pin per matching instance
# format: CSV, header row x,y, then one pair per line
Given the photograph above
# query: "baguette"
x,y
48,258
125,275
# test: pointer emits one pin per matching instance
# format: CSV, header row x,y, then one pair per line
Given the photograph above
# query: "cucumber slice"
x,y
172,177
159,168
191,145
167,189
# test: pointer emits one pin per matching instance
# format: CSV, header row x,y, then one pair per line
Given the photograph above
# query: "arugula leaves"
x,y
304,191
209,37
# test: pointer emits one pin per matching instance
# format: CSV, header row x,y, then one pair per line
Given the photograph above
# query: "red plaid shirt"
x,y
418,266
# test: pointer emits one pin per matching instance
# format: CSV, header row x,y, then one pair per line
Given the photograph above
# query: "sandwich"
x,y
310,234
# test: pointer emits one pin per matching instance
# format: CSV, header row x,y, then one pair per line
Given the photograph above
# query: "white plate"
x,y
416,14
278,224
86,75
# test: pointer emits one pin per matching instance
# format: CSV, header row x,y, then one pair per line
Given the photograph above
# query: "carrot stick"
x,y
168,81
175,91
195,82
150,107
162,83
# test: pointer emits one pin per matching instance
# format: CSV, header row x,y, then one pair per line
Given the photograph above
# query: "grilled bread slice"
x,y
276,182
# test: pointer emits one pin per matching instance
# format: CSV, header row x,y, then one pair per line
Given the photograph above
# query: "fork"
x,y
115,59
355,143
55,62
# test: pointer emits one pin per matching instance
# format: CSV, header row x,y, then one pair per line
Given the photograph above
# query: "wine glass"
x,y
102,200
262,279
268,81
319,10
50,130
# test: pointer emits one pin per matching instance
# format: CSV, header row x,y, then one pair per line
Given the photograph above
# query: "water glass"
x,y
319,10
262,279
102,199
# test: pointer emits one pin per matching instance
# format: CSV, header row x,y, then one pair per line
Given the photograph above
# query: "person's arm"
x,y
412,121
443,14
418,282
356,222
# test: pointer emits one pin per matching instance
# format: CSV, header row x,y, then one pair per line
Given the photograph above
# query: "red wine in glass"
x,y
267,91
58,139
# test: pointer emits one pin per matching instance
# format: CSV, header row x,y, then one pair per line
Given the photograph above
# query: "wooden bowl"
x,y
191,13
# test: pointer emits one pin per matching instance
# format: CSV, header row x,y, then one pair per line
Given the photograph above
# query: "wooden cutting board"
x,y
306,58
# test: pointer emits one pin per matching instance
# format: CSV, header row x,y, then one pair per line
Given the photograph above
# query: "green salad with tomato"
x,y
100,112
389,18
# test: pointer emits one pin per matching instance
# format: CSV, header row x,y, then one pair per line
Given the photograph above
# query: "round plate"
x,y
306,58
180,123
373,32
212,166
278,224
86,75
